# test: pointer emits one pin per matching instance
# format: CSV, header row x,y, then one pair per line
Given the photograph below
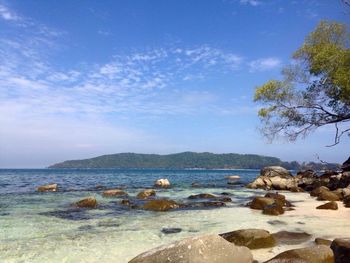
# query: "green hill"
x,y
179,160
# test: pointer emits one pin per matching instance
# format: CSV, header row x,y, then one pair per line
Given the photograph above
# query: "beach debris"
x,y
89,202
114,193
313,254
160,205
48,188
291,238
251,238
330,205
341,250
163,183
146,194
202,249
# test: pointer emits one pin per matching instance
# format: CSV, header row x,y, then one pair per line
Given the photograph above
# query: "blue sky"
x,y
85,78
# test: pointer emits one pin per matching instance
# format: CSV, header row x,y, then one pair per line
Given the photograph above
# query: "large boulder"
x,y
314,254
146,194
163,183
273,210
251,238
48,188
89,202
330,206
341,250
114,193
203,249
274,177
160,205
291,238
328,196
317,191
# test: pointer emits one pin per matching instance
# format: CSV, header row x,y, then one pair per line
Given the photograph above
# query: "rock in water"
x,y
163,183
89,202
314,254
328,196
160,205
291,238
322,241
114,192
203,249
48,188
260,202
330,205
146,193
171,230
341,250
251,238
202,196
274,210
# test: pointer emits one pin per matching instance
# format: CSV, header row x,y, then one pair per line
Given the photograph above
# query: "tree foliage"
x,y
314,90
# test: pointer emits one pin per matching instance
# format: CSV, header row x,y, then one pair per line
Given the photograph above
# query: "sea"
x,y
47,227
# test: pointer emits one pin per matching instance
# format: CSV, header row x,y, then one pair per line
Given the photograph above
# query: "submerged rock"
x,y
89,202
341,250
291,238
48,188
202,196
164,183
277,222
160,205
114,192
203,249
251,238
314,254
171,230
330,205
146,193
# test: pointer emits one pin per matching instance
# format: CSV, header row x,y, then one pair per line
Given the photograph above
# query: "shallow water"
x,y
44,227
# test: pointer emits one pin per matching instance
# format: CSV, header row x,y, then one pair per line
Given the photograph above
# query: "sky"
x,y
80,79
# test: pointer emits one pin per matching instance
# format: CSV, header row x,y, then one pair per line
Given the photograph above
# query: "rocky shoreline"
x,y
331,188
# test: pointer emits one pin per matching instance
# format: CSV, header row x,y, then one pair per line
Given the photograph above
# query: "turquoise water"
x,y
45,227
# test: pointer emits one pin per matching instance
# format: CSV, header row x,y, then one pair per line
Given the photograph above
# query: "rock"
x,y
276,222
346,192
341,250
273,171
172,230
280,199
328,196
346,201
314,254
160,205
195,185
48,188
206,204
202,249
146,193
306,178
260,202
322,241
251,238
318,190
89,202
274,177
224,199
330,205
291,238
346,165
274,209
296,189
113,193
125,202
233,179
163,183
202,196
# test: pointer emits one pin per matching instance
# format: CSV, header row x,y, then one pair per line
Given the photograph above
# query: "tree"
x,y
314,90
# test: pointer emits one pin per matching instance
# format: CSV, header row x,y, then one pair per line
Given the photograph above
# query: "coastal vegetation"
x,y
188,160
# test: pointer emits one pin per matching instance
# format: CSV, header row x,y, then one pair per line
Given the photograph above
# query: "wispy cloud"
x,y
264,64
7,14
250,2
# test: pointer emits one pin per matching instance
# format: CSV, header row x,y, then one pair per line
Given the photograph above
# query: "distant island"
x,y
189,160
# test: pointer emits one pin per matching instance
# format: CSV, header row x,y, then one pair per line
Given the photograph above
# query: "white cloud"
x,y
7,14
250,2
264,64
